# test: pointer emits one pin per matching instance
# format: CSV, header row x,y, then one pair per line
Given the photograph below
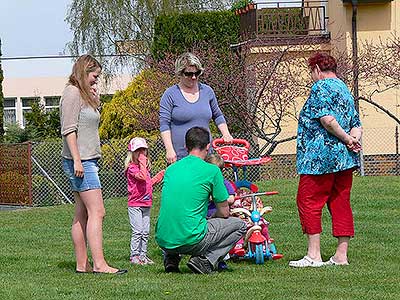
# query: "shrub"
x,y
176,33
134,111
16,134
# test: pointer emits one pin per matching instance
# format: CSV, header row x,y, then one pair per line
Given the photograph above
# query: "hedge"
x,y
176,33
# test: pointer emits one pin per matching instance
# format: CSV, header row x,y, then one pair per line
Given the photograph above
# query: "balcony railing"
x,y
285,19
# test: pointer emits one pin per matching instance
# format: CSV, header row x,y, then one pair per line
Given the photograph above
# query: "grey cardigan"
x,y
83,119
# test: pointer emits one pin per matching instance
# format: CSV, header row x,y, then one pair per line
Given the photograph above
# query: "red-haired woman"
x,y
329,132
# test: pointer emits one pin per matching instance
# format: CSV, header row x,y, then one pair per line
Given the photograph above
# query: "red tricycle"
x,y
258,245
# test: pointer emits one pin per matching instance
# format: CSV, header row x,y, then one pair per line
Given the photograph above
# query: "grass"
x,y
37,260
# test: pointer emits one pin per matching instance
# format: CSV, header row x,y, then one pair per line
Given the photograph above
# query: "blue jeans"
x,y
90,179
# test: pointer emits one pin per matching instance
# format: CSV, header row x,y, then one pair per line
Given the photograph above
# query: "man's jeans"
x,y
222,235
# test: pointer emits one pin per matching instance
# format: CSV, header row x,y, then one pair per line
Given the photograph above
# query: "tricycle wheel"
x,y
259,254
272,248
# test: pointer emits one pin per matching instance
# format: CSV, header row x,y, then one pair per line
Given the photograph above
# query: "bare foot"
x,y
107,270
87,269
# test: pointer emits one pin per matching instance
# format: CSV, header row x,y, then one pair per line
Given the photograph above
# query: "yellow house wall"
x,y
374,22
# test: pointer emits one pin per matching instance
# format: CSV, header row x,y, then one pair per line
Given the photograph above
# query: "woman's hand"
x,y
353,144
169,148
78,168
93,90
355,137
227,138
171,156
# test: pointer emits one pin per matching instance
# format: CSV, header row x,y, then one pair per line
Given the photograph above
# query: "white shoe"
x,y
135,260
146,261
331,262
305,262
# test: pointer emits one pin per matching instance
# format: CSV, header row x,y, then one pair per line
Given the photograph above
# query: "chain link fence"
x,y
50,186
15,174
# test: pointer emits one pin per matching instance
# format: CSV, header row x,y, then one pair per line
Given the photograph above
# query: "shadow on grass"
x,y
67,265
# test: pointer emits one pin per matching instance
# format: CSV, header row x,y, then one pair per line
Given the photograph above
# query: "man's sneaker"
x,y
146,261
200,265
222,266
135,260
171,264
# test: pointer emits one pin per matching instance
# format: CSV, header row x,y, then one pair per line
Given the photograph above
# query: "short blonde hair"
x,y
215,159
186,60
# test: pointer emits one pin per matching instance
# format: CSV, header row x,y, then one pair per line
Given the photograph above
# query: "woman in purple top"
x,y
187,104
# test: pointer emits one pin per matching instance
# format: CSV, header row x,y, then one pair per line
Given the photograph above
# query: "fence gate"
x,y
15,174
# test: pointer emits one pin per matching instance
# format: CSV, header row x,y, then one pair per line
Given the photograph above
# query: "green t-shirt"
x,y
188,185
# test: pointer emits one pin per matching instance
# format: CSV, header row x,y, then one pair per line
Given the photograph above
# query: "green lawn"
x,y
37,261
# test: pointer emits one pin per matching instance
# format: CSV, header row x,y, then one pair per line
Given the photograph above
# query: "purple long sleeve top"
x,y
179,115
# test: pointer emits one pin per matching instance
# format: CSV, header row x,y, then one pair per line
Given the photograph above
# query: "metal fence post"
x,y
51,180
396,136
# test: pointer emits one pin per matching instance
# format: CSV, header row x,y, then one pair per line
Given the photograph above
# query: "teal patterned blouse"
x,y
318,151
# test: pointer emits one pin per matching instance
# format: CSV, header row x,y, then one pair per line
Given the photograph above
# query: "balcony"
x,y
285,20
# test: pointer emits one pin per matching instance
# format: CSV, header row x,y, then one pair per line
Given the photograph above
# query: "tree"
x,y
42,124
379,73
134,111
262,89
278,83
248,108
100,27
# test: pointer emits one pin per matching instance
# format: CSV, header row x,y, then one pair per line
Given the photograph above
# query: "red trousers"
x,y
332,189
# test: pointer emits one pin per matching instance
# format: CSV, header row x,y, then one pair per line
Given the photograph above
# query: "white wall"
x,y
42,87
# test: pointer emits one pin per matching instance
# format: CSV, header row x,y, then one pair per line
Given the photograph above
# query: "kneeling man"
x,y
182,227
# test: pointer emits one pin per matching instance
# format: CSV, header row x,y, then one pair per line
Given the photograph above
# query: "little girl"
x,y
140,191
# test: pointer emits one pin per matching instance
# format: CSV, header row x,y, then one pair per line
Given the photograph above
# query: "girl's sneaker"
x,y
146,261
135,260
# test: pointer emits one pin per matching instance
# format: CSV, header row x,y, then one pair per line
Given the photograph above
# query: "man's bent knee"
x,y
239,224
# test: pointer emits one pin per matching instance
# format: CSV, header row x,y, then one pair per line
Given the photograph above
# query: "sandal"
x,y
118,272
331,262
306,261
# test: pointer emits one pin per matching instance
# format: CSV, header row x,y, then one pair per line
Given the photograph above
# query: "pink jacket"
x,y
140,184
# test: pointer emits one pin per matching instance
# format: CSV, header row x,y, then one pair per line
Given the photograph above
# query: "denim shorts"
x,y
90,179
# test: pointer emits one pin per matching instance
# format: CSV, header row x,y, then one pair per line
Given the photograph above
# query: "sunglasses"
x,y
190,74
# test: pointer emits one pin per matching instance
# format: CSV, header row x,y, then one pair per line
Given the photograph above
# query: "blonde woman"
x,y
81,151
188,104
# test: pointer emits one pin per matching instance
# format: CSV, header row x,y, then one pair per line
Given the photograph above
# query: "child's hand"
x,y
237,203
142,159
158,177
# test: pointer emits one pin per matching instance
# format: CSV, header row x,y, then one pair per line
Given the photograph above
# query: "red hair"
x,y
324,61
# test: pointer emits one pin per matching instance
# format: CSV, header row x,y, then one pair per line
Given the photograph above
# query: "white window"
x,y
26,106
10,112
51,102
